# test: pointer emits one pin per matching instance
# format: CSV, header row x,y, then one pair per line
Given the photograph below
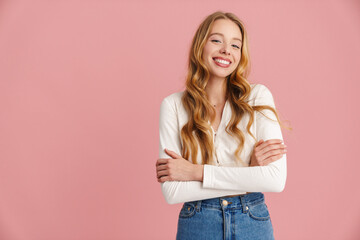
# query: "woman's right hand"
x,y
267,152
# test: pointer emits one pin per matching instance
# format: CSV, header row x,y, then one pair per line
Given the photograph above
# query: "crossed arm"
x,y
182,181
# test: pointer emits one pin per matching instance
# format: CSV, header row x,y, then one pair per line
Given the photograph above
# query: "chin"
x,y
222,75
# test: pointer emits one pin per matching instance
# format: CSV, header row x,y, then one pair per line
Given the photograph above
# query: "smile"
x,y
221,62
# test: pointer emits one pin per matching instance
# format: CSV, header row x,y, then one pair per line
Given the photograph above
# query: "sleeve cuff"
x,y
208,176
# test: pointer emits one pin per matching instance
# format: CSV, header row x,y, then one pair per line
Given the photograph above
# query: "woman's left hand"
x,y
177,169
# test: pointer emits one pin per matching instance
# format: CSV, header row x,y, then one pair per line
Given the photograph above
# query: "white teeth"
x,y
221,61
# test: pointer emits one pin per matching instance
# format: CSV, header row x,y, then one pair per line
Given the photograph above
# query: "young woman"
x,y
220,140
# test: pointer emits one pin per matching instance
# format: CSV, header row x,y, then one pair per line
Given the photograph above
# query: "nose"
x,y
225,50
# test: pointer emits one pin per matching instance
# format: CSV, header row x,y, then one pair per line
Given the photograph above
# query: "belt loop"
x,y
198,205
243,203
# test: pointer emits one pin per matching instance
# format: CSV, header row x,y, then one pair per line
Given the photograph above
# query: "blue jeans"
x,y
226,218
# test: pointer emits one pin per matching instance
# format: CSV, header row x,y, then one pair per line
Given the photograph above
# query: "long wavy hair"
x,y
197,130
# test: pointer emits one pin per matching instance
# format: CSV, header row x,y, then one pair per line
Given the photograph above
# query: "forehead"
x,y
227,28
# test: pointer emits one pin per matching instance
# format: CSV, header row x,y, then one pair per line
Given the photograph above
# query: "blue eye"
x,y
236,46
215,40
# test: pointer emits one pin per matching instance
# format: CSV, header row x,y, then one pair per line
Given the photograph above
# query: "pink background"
x,y
80,89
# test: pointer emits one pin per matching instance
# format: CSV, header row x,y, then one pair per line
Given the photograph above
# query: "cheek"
x,y
205,54
207,51
237,56
237,60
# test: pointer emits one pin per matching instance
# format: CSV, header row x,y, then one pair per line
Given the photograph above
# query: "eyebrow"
x,y
223,36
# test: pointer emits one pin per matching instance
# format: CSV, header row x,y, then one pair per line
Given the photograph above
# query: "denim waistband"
x,y
230,202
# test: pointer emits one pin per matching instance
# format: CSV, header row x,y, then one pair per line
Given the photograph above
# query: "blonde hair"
x,y
197,131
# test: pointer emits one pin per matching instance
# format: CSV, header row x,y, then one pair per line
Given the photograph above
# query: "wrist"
x,y
198,172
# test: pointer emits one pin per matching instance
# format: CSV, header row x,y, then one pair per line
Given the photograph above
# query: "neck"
x,y
216,90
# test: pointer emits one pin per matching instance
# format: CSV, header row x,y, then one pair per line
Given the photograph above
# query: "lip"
x,y
220,64
226,59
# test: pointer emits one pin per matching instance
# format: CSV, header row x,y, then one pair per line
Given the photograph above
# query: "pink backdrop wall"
x,y
80,89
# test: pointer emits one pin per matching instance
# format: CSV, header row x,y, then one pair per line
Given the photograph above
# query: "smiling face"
x,y
222,50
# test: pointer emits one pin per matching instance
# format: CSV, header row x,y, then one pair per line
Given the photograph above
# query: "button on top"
x,y
247,208
225,203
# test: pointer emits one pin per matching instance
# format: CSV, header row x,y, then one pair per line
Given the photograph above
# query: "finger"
x,y
274,152
269,146
274,140
164,179
271,159
162,173
272,147
260,154
162,167
161,161
271,141
172,154
259,142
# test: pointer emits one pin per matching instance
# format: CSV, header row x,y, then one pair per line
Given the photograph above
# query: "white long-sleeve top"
x,y
227,177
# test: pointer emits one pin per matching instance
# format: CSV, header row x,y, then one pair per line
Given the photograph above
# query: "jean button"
x,y
225,203
247,208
